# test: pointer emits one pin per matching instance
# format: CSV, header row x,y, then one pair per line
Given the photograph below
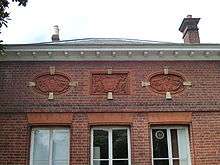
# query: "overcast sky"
x,y
156,20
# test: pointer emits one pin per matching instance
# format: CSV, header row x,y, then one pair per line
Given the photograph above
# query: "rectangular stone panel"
x,y
170,117
50,118
117,83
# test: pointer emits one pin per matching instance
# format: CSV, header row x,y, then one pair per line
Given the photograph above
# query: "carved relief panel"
x,y
56,83
117,83
52,83
162,83
166,83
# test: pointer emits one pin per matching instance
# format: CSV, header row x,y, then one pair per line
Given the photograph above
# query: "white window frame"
x,y
110,129
50,129
168,128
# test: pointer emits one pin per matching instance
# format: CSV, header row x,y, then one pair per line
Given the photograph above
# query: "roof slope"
x,y
106,41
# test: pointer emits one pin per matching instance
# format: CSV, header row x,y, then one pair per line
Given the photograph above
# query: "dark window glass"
x,y
160,148
120,144
176,162
100,145
120,162
161,162
100,162
174,141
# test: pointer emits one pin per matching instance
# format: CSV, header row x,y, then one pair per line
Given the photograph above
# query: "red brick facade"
x,y
197,107
17,96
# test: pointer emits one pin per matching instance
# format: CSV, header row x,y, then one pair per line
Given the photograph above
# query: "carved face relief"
x,y
162,83
116,83
56,83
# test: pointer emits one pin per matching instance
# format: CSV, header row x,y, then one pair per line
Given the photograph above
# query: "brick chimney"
x,y
55,37
190,30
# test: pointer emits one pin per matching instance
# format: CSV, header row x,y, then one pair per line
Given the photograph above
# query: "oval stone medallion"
x,y
162,83
56,83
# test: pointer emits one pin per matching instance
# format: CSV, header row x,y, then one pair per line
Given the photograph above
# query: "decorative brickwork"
x,y
170,118
139,110
49,118
203,95
116,83
56,83
162,83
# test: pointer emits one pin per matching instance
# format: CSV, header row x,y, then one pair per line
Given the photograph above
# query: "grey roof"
x,y
106,41
102,49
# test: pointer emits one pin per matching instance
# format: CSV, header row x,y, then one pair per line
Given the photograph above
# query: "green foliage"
x,y
4,15
1,47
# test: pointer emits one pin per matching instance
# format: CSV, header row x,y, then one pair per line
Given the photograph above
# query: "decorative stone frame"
x,y
114,76
170,73
64,90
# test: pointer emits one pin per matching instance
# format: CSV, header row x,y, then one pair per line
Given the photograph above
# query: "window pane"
x,y
100,162
120,162
182,143
161,162
60,162
160,148
120,144
174,141
176,162
41,147
40,162
100,145
60,147
183,162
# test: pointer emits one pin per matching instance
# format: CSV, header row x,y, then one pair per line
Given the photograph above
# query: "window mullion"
x,y
188,145
50,147
129,146
32,147
110,148
92,147
169,143
152,149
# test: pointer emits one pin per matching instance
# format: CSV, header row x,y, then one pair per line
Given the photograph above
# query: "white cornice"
x,y
132,52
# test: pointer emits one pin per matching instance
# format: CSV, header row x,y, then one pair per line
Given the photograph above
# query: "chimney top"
x,y
190,29
189,16
56,29
55,36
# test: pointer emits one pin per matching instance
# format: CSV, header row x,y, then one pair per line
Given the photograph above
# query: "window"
x,y
110,146
49,146
170,146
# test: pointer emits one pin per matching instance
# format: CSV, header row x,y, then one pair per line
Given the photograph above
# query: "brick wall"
x,y
16,96
140,143
202,99
14,139
80,140
206,138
